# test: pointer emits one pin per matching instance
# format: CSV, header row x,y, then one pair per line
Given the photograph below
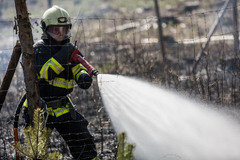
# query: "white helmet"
x,y
56,17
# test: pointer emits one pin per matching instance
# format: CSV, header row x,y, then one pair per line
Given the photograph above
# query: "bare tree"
x,y
209,35
26,40
235,26
160,30
49,3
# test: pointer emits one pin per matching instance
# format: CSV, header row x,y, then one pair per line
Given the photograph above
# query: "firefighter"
x,y
56,75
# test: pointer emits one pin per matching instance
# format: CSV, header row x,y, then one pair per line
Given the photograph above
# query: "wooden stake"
x,y
7,79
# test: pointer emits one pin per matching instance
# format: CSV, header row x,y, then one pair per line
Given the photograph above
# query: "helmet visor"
x,y
59,33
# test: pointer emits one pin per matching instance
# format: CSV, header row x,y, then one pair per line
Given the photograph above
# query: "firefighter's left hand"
x,y
84,81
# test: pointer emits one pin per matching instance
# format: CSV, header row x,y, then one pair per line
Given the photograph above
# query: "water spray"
x,y
166,125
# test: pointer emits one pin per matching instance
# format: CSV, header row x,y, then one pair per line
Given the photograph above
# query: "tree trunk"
x,y
7,79
26,40
160,30
235,26
49,3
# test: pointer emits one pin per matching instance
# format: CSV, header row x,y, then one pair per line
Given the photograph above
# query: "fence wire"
x,y
130,46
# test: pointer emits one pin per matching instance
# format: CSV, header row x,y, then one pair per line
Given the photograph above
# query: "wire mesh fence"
x,y
130,46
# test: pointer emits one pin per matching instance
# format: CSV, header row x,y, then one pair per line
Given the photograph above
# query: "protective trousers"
x,y
76,134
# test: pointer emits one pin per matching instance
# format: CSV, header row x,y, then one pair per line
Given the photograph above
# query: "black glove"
x,y
84,81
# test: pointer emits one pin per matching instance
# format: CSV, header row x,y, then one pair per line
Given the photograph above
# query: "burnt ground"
x,y
88,103
216,82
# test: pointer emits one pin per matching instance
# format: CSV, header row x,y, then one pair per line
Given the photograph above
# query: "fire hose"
x,y
15,124
75,57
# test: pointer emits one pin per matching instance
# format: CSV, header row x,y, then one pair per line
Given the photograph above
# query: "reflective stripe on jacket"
x,y
55,74
55,66
56,111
